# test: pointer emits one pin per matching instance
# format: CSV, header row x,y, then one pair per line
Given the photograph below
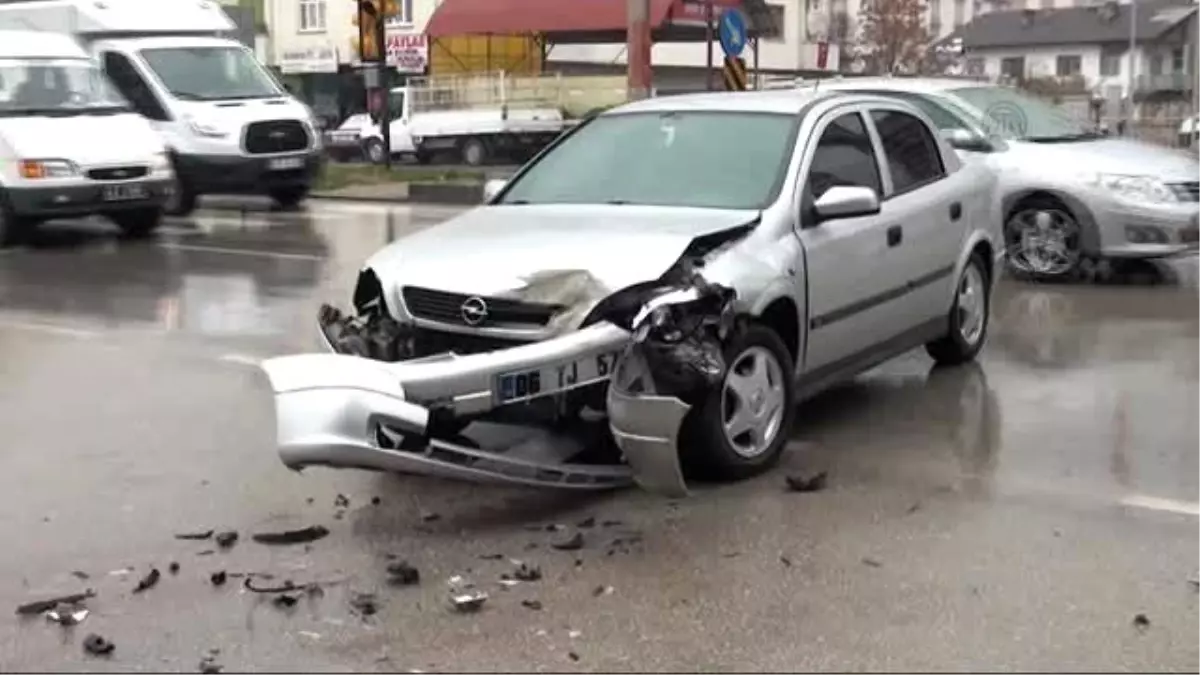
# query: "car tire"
x,y
1046,213
423,157
374,151
969,316
137,223
474,152
708,451
182,201
288,197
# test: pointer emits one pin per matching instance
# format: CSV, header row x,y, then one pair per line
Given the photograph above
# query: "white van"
x,y
70,145
228,124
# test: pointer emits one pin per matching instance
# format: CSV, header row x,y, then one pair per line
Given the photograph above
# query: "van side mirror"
x,y
492,188
846,201
962,139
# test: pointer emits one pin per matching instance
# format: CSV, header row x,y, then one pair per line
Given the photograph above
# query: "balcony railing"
x,y
1166,82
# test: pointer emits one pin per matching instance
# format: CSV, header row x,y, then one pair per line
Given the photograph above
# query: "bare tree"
x,y
894,37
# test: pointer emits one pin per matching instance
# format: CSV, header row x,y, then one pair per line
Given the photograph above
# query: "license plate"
x,y
121,193
285,163
524,385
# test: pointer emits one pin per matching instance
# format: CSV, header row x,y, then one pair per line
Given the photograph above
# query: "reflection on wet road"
x,y
1014,514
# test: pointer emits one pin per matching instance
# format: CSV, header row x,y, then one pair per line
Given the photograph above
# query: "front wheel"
x,y
182,199
740,428
968,318
374,151
289,197
474,152
137,223
1044,240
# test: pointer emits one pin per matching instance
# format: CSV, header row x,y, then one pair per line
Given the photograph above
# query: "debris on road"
x,y
611,523
149,581
173,568
534,605
469,601
871,562
787,562
302,536
207,551
1141,622
68,615
814,483
376,501
285,587
525,572
218,578
227,539
82,576
366,604
284,601
602,590
492,556
209,666
43,606
196,536
403,574
571,541
588,522
96,645
341,502
430,516
573,656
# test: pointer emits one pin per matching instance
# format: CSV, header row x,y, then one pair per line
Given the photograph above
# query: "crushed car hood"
x,y
493,250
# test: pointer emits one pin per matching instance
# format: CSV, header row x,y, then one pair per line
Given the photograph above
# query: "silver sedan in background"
x,y
1065,192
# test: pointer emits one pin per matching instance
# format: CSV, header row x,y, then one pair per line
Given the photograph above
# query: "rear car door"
x,y
928,205
852,279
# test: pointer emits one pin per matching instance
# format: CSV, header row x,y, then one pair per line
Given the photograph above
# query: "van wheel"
x,y
182,200
289,197
968,317
374,151
423,156
474,152
137,223
740,427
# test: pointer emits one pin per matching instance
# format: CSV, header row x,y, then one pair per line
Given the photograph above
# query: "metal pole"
x,y
637,48
1132,65
1195,77
708,40
757,74
385,85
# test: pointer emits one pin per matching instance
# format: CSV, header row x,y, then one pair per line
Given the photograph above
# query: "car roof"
x,y
920,85
785,101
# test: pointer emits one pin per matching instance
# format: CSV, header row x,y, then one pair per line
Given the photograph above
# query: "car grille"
x,y
118,173
264,138
425,303
430,342
1186,192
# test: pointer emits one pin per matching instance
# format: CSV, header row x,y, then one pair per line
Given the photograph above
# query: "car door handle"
x,y
955,211
895,235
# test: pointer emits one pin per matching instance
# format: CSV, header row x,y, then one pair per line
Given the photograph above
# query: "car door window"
x,y
844,157
129,82
912,154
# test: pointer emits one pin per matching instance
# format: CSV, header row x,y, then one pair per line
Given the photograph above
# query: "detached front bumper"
x,y
342,411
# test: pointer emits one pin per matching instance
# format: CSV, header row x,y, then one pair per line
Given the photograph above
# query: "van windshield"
x,y
211,73
56,87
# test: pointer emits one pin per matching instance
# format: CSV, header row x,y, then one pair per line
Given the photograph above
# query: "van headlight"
x,y
1137,189
35,169
206,129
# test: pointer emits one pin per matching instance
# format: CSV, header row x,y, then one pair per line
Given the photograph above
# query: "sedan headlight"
x,y
1138,189
206,129
160,162
47,168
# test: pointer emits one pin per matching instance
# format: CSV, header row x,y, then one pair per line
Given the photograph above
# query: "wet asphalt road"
x,y
1016,515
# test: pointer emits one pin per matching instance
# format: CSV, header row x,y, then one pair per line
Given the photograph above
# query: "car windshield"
x,y
1010,114
211,73
724,160
56,87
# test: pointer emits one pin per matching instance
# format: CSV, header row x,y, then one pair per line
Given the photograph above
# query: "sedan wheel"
x,y
968,320
752,401
1043,241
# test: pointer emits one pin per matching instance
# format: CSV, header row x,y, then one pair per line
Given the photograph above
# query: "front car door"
x,y
927,200
852,279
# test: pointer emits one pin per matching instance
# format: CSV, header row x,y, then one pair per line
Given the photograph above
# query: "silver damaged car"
x,y
653,293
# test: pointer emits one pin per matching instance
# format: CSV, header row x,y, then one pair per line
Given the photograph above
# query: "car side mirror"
x,y
961,139
846,201
492,188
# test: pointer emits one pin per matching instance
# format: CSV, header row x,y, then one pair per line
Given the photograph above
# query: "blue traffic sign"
x,y
731,30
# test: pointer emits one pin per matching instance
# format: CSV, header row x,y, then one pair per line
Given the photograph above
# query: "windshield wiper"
x,y
187,96
618,202
1065,138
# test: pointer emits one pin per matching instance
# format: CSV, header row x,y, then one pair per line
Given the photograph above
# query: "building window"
x,y
1178,60
1068,65
1110,62
1156,64
312,16
1013,67
976,66
775,23
404,19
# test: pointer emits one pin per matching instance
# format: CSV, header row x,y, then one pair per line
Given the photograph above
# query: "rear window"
x,y
724,160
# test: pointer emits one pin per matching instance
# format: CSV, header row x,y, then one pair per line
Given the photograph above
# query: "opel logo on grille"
x,y
474,311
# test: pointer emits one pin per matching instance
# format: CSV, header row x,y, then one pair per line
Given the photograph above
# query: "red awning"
x,y
559,20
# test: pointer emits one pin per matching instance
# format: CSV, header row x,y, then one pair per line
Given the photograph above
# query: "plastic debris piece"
x,y
67,615
209,666
285,587
492,556
403,574
218,578
572,541
611,523
301,536
284,601
208,551
195,536
603,590
96,645
227,539
534,605
173,568
508,583
590,521
573,634
525,572
341,502
365,604
309,634
573,656
82,576
1141,622
871,562
430,516
149,581
470,601
814,483
43,606
376,501
787,562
